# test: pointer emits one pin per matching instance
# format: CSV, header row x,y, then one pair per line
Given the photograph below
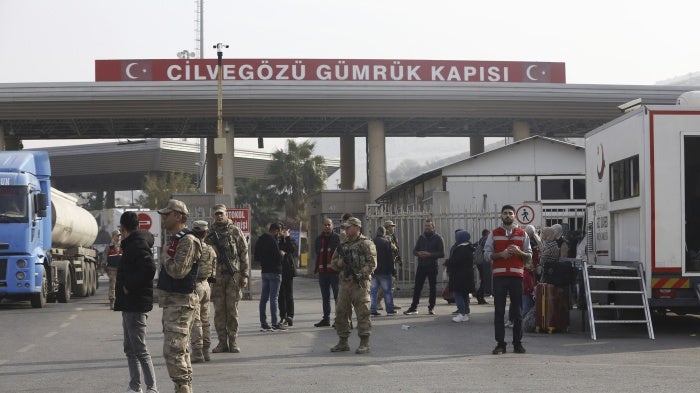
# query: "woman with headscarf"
x,y
460,267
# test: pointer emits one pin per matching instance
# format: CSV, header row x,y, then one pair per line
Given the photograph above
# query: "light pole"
x,y
220,143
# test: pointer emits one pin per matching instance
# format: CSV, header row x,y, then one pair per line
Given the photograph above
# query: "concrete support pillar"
x,y
110,200
227,162
376,159
9,142
476,145
347,162
521,130
211,167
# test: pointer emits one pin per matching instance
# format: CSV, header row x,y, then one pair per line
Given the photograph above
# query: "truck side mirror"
x,y
41,205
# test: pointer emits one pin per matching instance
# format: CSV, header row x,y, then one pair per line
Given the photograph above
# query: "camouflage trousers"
x,y
177,322
200,335
350,296
226,293
112,274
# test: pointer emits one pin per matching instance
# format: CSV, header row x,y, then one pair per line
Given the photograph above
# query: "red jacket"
x,y
512,266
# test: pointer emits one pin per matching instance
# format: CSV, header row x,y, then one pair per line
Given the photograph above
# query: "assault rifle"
x,y
348,268
221,253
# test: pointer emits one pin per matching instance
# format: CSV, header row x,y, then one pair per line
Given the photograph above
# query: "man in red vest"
x,y
508,246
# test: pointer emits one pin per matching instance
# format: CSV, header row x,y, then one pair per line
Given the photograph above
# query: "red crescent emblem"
x,y
601,167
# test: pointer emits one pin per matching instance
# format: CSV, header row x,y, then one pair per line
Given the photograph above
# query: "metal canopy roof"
x,y
312,109
123,166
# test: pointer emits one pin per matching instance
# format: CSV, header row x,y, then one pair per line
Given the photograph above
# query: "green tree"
x,y
294,175
158,189
258,195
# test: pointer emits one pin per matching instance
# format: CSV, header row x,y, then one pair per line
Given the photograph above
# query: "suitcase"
x,y
552,308
561,273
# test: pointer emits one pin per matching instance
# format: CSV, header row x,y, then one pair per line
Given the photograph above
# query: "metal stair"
x,y
634,276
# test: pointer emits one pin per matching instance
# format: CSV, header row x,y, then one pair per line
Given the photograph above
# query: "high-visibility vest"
x,y
512,266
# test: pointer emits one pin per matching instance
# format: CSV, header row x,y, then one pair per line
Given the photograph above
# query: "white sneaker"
x,y
460,318
508,324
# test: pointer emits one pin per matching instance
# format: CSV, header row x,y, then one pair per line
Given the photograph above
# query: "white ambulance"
x,y
643,199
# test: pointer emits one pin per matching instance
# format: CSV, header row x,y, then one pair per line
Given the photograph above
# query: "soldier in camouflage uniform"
x,y
200,335
355,259
177,296
230,245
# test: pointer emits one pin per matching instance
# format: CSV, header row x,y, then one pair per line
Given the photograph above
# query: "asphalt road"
x,y
77,347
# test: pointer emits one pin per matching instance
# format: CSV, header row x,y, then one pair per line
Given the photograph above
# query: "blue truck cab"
x,y
25,226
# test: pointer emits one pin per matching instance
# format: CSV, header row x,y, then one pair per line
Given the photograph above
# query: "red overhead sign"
x,y
357,70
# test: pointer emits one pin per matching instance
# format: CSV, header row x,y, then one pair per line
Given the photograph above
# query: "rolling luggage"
x,y
552,308
561,273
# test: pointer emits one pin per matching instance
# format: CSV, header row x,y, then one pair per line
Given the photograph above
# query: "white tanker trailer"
x,y
73,231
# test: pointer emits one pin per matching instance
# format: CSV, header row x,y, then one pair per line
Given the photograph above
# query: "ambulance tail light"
x,y
664,293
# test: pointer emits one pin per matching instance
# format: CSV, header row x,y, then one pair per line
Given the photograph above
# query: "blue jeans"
x,y
136,351
270,291
528,303
385,281
328,281
462,300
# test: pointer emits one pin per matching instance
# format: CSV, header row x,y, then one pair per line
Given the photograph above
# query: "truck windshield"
x,y
13,203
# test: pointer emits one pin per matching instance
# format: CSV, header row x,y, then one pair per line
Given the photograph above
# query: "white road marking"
x,y
26,348
50,334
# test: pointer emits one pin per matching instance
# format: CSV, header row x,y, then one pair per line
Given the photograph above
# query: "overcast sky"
x,y
601,42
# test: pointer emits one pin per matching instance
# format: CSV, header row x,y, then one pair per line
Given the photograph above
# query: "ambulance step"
x,y
621,306
616,274
611,321
611,267
617,292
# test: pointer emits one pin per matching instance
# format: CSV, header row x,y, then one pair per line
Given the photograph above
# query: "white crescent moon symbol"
x,y
528,72
127,71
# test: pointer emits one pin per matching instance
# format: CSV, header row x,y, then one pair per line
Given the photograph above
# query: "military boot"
x,y
183,388
364,345
342,345
196,356
221,347
232,346
205,353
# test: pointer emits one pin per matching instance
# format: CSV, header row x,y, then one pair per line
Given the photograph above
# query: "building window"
x,y
624,179
555,189
562,189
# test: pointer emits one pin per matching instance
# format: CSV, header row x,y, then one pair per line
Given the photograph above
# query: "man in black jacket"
x,y
429,248
134,298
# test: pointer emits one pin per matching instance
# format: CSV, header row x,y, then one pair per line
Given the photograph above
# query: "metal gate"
x,y
409,225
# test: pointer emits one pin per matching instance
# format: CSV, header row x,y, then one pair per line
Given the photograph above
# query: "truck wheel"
x,y
82,290
64,287
93,280
39,299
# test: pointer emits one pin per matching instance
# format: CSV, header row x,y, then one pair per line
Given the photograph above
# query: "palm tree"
x,y
296,174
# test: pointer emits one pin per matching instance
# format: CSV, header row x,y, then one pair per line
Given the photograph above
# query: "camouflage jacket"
x,y
230,238
207,262
360,256
189,250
